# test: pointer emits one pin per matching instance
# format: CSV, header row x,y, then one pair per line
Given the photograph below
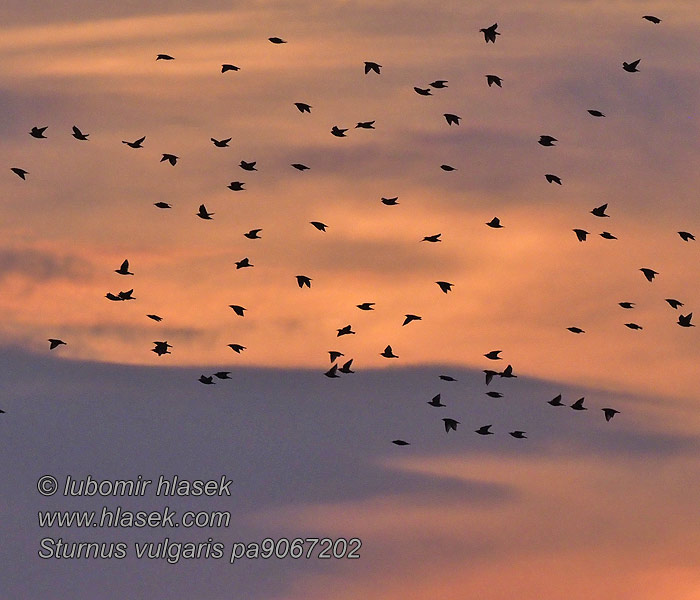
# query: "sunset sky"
x,y
582,508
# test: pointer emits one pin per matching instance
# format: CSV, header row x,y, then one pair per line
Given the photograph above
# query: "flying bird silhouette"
x,y
253,234
652,18
366,306
79,135
595,113
626,304
495,223
155,318
553,178
494,394
507,372
346,367
390,201
303,280
631,67
432,238
490,374
277,40
685,236
300,167
673,302
439,83
494,79
237,348
127,295
609,413
347,330
435,401
228,67
318,225
447,168
607,236
55,343
162,205
484,430
123,269
401,442
684,320
38,132
556,401
422,91
490,33
248,166
365,125
21,173
409,318
164,57
633,326
237,309
599,211
303,107
547,140
446,378
337,132
372,66
332,372
236,186
206,380
203,214
493,355
580,234
649,273
578,405
221,143
575,330
222,374
243,263
518,434
161,348
450,118
335,355
171,158
136,143
445,286
450,424
388,353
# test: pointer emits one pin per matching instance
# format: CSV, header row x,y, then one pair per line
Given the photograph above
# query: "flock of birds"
x,y
163,347
451,424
